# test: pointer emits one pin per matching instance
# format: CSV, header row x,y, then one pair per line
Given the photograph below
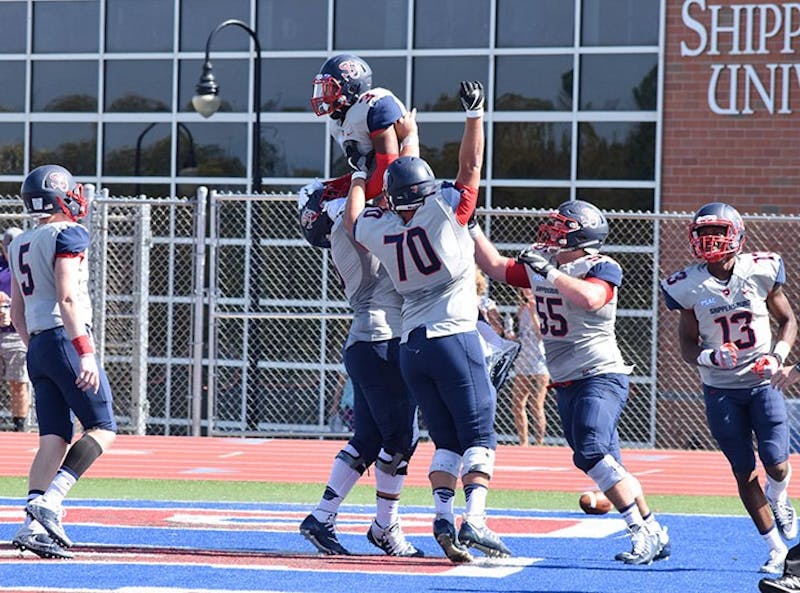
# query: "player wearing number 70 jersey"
x,y
725,304
425,246
575,289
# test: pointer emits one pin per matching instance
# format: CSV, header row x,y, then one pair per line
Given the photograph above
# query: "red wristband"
x,y
83,345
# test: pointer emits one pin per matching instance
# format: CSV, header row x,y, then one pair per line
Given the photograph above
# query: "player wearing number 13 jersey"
x,y
725,304
575,290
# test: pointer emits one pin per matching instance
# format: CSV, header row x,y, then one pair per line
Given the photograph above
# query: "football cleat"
x,y
785,517
774,564
445,534
664,550
40,544
50,518
482,538
392,541
786,584
646,544
323,535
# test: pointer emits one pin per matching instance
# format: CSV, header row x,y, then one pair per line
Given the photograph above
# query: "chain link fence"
x,y
214,316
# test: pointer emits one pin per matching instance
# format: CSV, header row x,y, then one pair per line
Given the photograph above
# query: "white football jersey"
x,y
579,343
733,311
33,255
377,307
430,261
377,109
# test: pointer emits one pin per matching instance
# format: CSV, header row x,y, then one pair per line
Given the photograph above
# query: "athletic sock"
x,y
475,511
443,502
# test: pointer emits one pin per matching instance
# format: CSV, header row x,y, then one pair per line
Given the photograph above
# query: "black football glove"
x,y
471,95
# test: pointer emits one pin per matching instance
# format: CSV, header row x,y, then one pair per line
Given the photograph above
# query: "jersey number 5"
x,y
27,284
420,250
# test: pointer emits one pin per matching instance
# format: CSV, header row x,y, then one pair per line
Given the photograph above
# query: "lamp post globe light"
x,y
206,100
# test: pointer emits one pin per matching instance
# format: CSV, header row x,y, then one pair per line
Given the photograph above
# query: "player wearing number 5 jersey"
x,y
50,309
575,291
424,244
725,306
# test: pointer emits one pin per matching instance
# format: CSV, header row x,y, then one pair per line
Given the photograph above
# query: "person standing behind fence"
x,y
12,350
51,310
576,289
725,305
385,416
529,375
424,244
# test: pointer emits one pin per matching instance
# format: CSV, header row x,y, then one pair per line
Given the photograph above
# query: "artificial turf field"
x,y
206,530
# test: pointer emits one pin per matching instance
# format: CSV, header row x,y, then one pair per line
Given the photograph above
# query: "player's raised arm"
x,y
470,154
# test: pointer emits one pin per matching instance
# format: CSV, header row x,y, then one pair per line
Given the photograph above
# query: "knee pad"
x,y
352,459
478,459
393,465
607,472
445,461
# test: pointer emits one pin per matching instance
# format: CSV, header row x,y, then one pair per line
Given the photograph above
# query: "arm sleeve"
x,y
516,274
462,200
73,241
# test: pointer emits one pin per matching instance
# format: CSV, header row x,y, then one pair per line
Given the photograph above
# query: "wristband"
x,y
781,351
473,113
358,175
552,274
705,358
83,345
410,139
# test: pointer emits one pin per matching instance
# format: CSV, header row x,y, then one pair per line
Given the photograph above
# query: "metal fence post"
x,y
199,307
140,404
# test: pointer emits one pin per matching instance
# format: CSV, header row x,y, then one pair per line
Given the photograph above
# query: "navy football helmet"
x,y
407,182
315,224
726,239
576,225
342,79
51,189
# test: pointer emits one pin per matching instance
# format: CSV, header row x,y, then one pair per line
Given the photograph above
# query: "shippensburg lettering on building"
x,y
746,30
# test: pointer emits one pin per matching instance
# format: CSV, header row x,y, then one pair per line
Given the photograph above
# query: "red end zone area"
x,y
309,461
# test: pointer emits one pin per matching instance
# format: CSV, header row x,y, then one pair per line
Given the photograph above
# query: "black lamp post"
x,y
206,100
191,160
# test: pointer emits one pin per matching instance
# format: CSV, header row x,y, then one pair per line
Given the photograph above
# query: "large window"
x,y
571,85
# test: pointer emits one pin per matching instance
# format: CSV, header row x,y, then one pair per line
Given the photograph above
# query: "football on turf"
x,y
594,502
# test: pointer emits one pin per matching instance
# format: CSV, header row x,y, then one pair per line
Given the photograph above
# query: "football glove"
x,y
724,357
471,95
766,366
541,261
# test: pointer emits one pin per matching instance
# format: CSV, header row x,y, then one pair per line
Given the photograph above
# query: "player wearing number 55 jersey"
x,y
424,244
725,305
575,291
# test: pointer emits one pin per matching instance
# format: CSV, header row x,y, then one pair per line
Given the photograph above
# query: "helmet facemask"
x,y
714,247
328,97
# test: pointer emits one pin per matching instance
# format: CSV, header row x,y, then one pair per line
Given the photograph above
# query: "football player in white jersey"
x,y
51,310
575,291
725,306
424,244
385,430
362,122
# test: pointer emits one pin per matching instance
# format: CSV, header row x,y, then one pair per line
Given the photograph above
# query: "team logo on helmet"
x,y
590,219
350,70
58,181
308,217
